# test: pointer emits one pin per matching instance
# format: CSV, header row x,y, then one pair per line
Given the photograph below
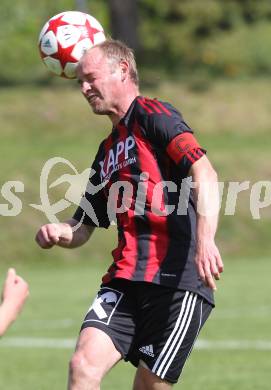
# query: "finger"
x,y
19,279
24,288
214,270
200,271
53,234
11,275
219,263
43,238
209,280
9,282
54,239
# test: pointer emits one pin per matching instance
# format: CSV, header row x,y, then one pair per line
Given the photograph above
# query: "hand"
x,y
14,294
48,235
209,263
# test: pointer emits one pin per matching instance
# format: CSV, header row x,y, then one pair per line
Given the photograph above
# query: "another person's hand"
x,y
14,294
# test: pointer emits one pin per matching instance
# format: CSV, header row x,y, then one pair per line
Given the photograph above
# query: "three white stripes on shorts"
x,y
176,337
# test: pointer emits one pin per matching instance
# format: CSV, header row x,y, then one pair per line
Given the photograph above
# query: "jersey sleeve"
x,y
92,210
166,129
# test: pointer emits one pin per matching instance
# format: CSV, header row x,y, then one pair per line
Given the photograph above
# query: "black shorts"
x,y
154,324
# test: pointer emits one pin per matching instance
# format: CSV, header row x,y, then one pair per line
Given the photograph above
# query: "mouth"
x,y
92,98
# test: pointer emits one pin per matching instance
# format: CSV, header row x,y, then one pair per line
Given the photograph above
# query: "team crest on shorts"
x,y
104,305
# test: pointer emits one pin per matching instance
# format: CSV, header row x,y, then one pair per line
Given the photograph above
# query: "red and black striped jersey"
x,y
141,167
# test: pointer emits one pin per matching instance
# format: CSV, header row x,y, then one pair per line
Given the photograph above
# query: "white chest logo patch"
x,y
116,157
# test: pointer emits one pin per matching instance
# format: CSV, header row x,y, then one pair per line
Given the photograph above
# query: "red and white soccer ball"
x,y
65,38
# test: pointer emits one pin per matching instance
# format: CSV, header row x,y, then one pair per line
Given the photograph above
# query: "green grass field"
x,y
33,355
233,123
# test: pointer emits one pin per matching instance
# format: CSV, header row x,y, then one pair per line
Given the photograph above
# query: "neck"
x,y
123,106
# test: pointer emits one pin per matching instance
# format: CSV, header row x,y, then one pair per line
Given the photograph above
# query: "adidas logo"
x,y
148,350
47,43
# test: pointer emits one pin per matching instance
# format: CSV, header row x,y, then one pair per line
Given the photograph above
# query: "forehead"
x,y
93,60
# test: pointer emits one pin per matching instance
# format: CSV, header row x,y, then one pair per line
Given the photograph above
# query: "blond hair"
x,y
116,51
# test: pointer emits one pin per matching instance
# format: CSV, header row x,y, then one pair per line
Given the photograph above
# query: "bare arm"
x,y
14,294
62,234
208,259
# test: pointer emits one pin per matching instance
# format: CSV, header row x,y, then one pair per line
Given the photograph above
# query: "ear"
x,y
124,68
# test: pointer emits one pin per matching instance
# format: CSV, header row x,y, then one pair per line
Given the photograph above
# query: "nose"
x,y
85,87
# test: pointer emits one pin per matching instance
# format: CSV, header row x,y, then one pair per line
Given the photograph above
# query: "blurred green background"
x,y
213,38
211,59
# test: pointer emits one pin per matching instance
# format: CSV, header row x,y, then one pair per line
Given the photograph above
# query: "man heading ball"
x,y
158,292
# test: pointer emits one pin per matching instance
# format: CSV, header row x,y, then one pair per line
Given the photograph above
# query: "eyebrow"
x,y
88,75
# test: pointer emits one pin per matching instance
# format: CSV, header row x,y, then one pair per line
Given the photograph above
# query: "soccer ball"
x,y
65,38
